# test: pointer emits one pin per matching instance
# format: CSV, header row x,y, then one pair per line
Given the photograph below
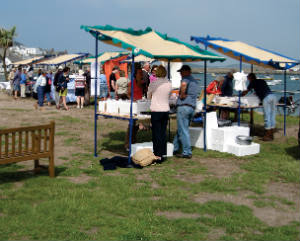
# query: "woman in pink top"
x,y
159,92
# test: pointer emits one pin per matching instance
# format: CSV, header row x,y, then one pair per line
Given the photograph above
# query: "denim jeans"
x,y
269,104
184,117
56,96
41,95
112,95
23,88
48,97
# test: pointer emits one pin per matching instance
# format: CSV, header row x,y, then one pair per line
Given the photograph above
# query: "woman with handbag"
x,y
63,83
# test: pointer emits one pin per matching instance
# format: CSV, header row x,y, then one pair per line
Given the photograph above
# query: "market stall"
x,y
152,44
253,55
62,59
28,61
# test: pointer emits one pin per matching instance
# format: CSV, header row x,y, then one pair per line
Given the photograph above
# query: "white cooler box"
x,y
138,146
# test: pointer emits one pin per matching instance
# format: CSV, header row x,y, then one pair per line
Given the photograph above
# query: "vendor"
x,y
269,101
227,90
215,86
137,95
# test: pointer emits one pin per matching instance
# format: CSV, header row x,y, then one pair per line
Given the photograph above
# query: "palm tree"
x,y
6,41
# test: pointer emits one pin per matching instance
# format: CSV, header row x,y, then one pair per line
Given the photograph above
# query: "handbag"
x,y
144,157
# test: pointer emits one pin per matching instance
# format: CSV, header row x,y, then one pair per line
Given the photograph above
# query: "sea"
x,y
292,86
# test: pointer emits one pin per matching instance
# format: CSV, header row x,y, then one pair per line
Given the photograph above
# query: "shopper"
x,y
159,92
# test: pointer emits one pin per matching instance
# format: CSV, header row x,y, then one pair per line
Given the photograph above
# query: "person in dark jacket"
x,y
227,90
87,75
56,87
112,82
269,101
63,84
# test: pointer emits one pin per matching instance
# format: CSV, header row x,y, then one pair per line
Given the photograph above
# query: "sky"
x,y
271,24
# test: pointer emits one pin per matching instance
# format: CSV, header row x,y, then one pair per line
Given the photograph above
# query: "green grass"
x,y
69,119
122,205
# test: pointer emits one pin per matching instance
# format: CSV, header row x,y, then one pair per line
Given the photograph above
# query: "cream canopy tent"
x,y
103,57
140,58
247,53
62,59
151,44
28,61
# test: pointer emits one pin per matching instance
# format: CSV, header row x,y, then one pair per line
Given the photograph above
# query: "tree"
x,y
6,41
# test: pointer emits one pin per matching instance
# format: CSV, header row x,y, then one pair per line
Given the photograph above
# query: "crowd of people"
x,y
151,83
39,85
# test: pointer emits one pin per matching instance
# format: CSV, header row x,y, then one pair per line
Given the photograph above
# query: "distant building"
x,y
7,62
25,51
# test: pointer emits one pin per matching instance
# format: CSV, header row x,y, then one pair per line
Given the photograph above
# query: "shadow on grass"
x,y
294,152
257,130
15,176
114,142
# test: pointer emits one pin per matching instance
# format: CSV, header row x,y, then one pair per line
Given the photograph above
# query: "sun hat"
x,y
219,78
60,67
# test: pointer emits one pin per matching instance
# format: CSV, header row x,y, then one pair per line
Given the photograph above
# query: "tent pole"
x,y
169,121
169,67
131,100
284,103
95,98
239,108
204,121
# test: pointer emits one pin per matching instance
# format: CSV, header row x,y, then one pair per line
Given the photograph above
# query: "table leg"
x,y
251,121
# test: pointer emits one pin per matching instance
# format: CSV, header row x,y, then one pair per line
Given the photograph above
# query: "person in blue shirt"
x,y
16,82
226,90
103,85
23,83
186,104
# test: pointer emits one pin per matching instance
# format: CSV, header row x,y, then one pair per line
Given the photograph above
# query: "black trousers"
x,y
159,121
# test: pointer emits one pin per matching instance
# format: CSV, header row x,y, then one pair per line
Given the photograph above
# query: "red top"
x,y
214,88
137,91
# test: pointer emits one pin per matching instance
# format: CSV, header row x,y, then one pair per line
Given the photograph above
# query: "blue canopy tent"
x,y
151,44
250,54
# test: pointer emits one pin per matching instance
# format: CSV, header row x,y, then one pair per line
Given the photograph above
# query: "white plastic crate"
x,y
102,106
112,106
243,150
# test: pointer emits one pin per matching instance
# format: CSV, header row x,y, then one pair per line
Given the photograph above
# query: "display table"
x,y
234,108
124,117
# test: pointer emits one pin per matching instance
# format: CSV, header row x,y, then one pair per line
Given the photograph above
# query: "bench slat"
x,y
26,140
13,143
0,145
45,139
34,156
6,143
20,141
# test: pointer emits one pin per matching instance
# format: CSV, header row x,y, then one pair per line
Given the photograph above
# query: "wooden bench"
x,y
28,143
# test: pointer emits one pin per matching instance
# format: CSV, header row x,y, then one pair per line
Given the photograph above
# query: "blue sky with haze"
x,y
271,24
